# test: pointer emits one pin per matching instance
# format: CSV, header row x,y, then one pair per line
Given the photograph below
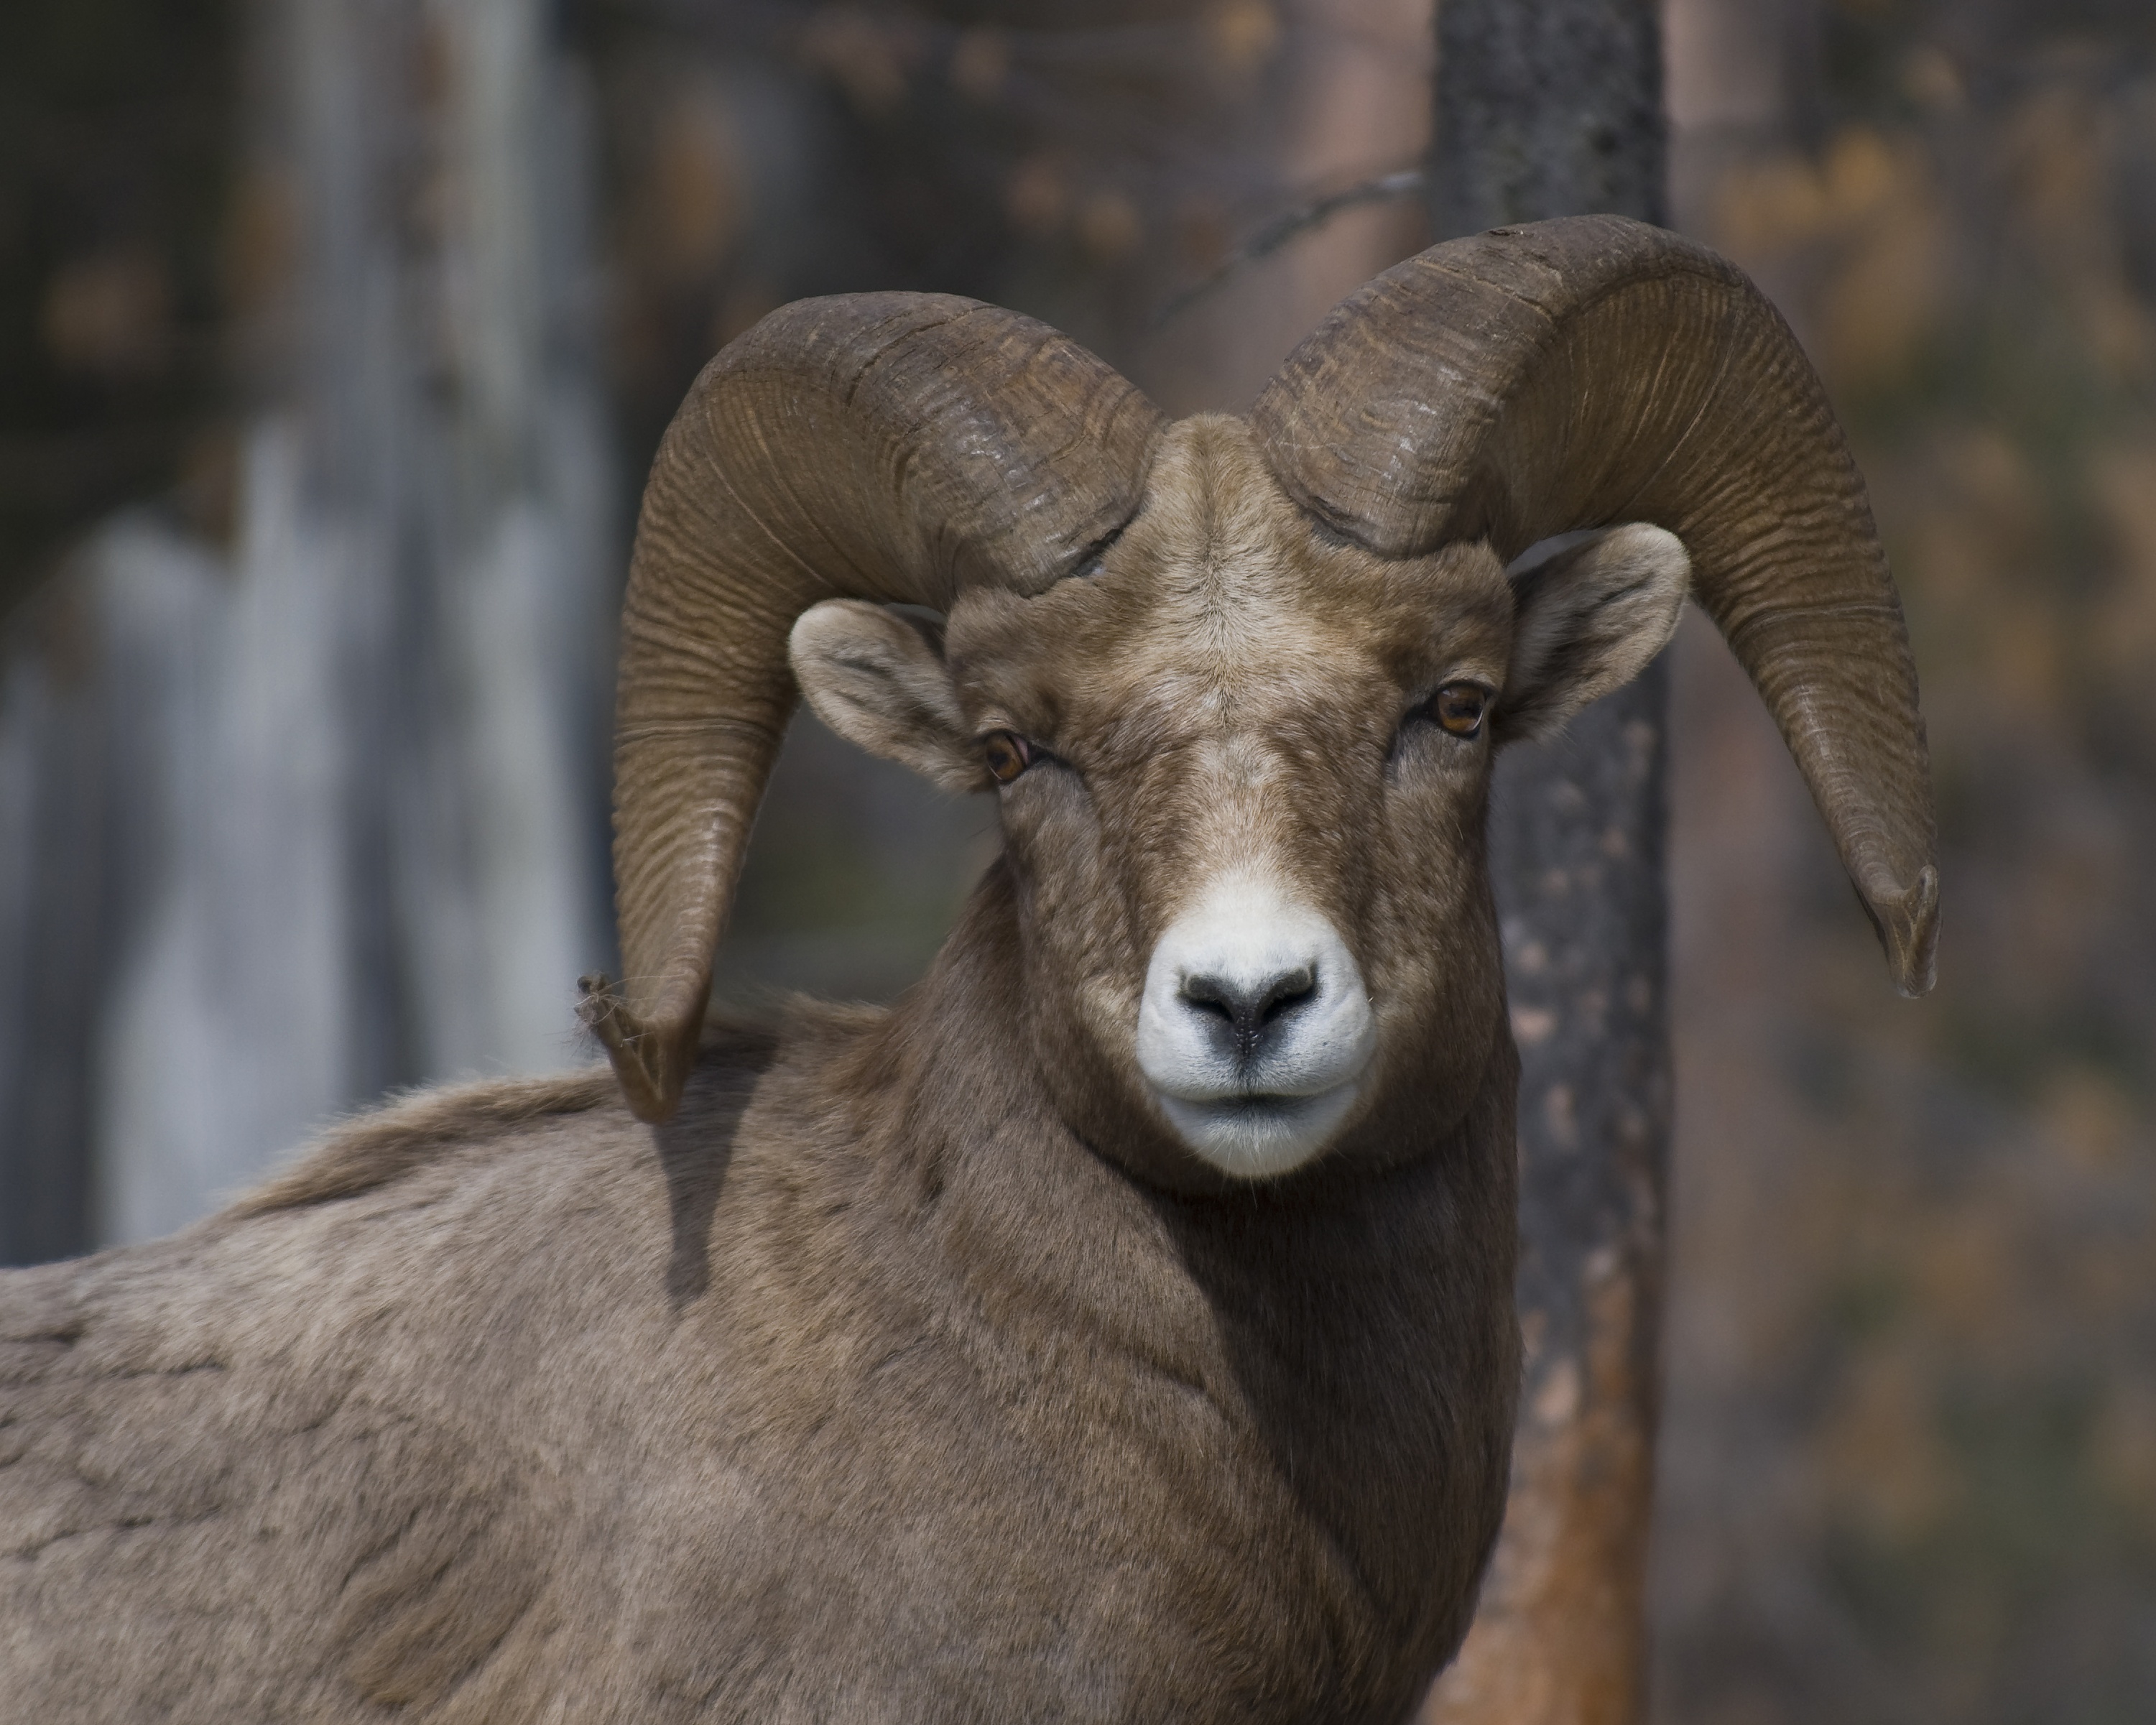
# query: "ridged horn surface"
x,y
893,447
1584,372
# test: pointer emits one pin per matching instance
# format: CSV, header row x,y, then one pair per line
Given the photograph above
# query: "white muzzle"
x,y
1254,1031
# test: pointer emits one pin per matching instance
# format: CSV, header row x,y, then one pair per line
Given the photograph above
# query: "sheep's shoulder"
x,y
377,1147
381,1146
329,1439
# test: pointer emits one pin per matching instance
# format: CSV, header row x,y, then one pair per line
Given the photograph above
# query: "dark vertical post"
x,y
1550,108
55,946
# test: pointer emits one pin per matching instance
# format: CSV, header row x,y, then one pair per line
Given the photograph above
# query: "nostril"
x,y
1210,995
1213,1009
1287,992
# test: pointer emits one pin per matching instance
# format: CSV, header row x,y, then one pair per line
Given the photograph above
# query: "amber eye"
x,y
1459,707
1006,755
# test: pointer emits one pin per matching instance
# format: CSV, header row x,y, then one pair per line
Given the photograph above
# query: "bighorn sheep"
x,y
1120,1326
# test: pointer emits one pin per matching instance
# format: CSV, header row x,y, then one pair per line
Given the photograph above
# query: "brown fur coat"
x,y
860,1390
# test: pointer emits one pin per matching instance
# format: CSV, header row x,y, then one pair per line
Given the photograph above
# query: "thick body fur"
x,y
859,1390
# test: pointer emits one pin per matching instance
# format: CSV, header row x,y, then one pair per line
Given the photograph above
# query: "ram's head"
x,y
1237,685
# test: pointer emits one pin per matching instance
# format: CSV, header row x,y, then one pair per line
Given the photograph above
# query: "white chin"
x,y
1261,1137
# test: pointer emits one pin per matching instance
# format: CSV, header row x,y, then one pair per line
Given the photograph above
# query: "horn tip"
x,y
650,1083
1908,924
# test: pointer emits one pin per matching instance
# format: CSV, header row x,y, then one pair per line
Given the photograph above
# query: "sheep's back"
x,y
317,1455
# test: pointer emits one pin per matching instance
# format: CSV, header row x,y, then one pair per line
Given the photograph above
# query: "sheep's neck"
x,y
1355,1336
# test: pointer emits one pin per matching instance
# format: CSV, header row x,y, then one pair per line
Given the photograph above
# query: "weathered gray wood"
x,y
1549,108
336,787
51,737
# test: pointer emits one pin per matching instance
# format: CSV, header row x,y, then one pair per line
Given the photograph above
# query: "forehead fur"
x,y
1224,602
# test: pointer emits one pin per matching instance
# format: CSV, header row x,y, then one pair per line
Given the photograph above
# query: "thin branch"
x,y
1403,183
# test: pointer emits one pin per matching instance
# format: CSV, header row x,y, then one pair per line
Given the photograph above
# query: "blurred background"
x,y
334,336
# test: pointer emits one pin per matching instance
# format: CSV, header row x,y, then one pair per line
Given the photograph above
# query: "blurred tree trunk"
x,y
1550,108
116,136
331,786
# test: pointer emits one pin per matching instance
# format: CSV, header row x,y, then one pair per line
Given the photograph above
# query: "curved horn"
x,y
1575,373
896,447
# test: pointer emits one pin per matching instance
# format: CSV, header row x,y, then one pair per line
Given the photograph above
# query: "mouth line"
x,y
1253,1102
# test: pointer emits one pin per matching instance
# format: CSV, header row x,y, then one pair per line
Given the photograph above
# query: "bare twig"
x,y
1403,183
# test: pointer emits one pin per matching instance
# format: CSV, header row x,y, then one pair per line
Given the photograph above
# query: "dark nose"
x,y
1250,1012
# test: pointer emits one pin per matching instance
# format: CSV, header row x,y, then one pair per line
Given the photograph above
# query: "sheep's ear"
x,y
1586,619
875,674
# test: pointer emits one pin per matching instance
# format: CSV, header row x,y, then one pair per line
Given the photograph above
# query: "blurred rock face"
x,y
1904,1473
